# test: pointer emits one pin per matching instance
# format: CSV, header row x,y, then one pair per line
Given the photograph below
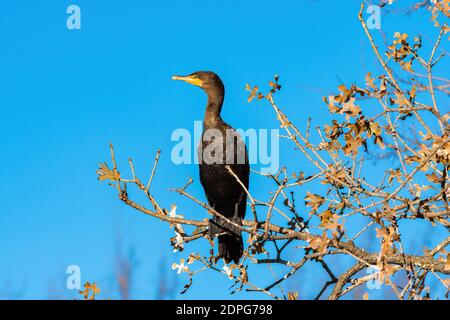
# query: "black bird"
x,y
221,149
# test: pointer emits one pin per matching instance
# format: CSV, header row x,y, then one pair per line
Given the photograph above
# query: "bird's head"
x,y
207,80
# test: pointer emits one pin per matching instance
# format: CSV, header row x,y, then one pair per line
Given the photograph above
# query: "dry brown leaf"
x,y
104,173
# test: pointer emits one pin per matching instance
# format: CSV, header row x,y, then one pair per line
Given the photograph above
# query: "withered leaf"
x,y
104,173
313,200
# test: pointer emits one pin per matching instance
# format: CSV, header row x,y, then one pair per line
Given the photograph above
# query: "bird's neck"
x,y
213,108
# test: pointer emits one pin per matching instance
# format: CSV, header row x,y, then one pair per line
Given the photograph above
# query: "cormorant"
x,y
224,192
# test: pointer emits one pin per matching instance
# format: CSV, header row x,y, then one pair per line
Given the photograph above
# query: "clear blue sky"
x,y
66,94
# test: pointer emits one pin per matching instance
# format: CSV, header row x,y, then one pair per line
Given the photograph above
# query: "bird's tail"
x,y
231,245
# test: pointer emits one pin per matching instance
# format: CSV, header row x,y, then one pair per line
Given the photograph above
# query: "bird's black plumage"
x,y
222,149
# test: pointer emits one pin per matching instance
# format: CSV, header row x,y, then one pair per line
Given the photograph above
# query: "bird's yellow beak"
x,y
189,79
